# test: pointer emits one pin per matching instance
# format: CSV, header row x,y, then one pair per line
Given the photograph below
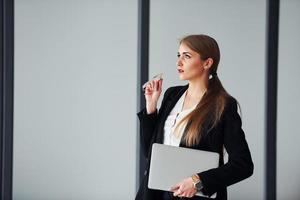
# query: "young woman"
x,y
200,115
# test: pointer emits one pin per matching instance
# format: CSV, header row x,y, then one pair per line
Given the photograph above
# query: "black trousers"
x,y
169,196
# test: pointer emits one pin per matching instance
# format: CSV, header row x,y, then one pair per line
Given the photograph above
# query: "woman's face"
x,y
189,64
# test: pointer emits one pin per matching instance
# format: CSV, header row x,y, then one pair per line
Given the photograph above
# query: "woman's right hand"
x,y
152,94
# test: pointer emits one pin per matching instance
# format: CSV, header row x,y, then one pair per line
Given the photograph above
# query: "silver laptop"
x,y
170,165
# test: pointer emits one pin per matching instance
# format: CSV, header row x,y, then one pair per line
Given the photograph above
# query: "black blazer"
x,y
227,132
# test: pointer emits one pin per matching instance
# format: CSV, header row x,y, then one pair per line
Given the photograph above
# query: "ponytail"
x,y
207,113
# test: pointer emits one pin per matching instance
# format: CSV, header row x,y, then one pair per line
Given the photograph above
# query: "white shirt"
x,y
172,120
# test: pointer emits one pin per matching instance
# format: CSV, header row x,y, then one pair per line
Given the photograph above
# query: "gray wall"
x,y
239,28
288,139
75,99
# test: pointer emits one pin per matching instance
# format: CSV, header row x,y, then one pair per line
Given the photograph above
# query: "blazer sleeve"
x,y
148,123
239,165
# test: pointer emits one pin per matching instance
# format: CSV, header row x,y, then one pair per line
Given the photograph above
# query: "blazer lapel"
x,y
174,97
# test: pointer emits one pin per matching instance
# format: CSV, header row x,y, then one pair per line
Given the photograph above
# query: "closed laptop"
x,y
170,165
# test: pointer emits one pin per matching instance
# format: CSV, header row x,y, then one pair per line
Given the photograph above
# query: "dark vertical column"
x,y
6,97
271,97
143,68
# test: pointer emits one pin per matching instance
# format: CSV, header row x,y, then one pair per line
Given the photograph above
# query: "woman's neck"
x,y
197,87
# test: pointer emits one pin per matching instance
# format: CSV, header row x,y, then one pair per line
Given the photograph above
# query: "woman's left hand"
x,y
184,189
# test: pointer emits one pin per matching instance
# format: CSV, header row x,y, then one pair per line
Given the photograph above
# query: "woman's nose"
x,y
178,62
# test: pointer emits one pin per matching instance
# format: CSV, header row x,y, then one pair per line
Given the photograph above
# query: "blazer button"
x,y
145,172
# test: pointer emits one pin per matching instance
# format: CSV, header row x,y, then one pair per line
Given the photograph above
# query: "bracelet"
x,y
195,179
197,182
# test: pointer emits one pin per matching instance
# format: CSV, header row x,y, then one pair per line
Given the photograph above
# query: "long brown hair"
x,y
211,106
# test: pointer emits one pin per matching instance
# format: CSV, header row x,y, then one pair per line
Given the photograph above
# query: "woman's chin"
x,y
182,77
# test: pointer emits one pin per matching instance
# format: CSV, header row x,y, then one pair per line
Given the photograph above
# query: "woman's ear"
x,y
208,63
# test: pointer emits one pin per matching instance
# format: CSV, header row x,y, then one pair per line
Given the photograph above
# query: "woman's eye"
x,y
185,56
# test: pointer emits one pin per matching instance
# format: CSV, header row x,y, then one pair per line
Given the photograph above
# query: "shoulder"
x,y
231,103
231,108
